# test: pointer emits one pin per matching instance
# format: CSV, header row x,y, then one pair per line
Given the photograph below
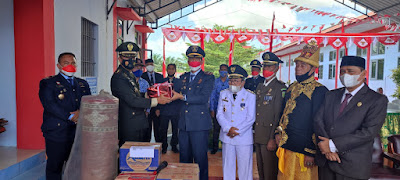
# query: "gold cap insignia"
x,y
266,56
233,69
254,62
194,48
130,47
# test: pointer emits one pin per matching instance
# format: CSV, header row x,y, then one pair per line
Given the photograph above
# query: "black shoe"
x,y
164,151
214,151
175,149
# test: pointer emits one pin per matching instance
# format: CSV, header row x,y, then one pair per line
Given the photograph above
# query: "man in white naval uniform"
x,y
236,115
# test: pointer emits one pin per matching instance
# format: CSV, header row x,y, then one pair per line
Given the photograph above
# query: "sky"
x,y
248,14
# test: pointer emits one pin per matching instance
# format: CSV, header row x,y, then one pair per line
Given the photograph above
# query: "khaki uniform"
x,y
268,110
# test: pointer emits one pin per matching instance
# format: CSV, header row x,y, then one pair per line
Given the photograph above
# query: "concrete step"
x,y
36,173
21,166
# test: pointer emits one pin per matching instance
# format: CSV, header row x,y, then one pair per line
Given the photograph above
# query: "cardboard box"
x,y
180,171
135,176
139,163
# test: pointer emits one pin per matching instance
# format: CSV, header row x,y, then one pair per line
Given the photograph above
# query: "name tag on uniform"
x,y
226,100
242,105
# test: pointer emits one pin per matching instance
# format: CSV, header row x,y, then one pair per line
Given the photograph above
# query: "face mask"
x,y
223,73
138,73
350,80
150,68
171,75
304,77
268,74
128,65
194,63
69,70
234,89
254,73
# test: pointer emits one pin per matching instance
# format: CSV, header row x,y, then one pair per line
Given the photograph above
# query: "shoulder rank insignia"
x,y
250,91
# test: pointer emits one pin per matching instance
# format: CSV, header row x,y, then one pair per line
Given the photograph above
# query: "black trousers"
x,y
325,173
139,136
57,154
215,139
154,124
164,130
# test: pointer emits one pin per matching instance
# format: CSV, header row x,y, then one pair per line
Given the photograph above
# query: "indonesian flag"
x,y
337,43
362,42
298,29
305,27
321,27
194,37
219,38
290,29
313,26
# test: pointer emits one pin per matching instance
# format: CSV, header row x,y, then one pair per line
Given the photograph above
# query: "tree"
x,y
181,64
217,54
396,78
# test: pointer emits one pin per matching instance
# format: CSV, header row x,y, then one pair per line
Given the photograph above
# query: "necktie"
x,y
234,96
151,79
192,77
344,103
70,80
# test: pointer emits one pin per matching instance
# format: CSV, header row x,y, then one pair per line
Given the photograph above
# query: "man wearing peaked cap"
x,y
194,89
269,99
295,136
236,115
347,123
252,83
132,121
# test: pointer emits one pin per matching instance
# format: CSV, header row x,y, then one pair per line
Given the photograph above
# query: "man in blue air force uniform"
x,y
236,115
194,88
61,98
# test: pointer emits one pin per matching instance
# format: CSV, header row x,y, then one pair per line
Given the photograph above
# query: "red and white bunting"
x,y
194,37
391,40
362,42
243,38
171,35
336,42
317,40
219,38
265,40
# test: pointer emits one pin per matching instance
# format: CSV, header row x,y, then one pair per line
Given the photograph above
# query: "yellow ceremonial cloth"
x,y
291,166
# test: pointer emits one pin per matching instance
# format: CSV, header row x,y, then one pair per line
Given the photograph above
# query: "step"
x,y
18,161
36,173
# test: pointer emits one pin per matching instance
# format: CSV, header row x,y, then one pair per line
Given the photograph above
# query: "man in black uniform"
x,y
252,83
61,96
154,117
132,121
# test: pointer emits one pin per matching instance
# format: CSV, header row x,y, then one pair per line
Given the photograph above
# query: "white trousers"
x,y
244,156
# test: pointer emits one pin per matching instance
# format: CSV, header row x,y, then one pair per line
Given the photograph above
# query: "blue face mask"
x,y
138,73
223,73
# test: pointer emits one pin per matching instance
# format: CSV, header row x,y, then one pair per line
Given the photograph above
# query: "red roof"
x,y
127,14
144,29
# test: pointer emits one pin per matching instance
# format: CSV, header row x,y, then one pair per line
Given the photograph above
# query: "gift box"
x,y
139,156
135,176
180,171
160,89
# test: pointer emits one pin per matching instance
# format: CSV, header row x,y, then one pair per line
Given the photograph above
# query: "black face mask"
x,y
304,77
130,65
172,75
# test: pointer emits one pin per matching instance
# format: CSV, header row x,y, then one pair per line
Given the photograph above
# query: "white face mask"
x,y
350,80
195,68
234,89
68,73
150,68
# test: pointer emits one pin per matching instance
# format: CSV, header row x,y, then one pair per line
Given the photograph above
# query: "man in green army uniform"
x,y
269,98
132,121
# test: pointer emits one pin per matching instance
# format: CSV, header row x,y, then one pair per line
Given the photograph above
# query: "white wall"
x,y
390,62
7,74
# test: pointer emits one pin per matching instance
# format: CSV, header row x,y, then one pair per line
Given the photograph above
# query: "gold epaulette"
x,y
250,91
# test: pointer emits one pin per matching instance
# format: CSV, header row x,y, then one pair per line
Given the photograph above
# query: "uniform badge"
x,y
270,90
242,105
224,109
58,83
226,100
61,96
242,99
359,104
265,102
200,80
65,90
81,84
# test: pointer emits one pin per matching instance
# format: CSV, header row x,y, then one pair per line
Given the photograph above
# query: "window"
x,y
362,52
321,57
377,69
332,55
88,48
341,53
320,71
378,48
287,63
291,62
332,71
398,62
120,32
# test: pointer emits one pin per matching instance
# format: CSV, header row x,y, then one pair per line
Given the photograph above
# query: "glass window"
x,y
373,70
362,52
287,63
320,71
321,57
377,67
88,48
341,53
292,62
380,69
378,48
332,55
332,71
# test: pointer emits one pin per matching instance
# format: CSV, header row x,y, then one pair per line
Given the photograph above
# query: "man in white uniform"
x,y
236,115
